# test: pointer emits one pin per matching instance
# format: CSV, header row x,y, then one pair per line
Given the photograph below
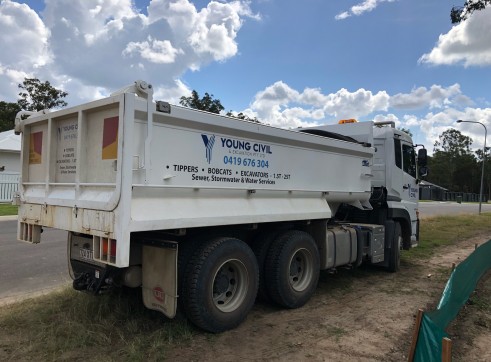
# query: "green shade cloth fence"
x,y
460,285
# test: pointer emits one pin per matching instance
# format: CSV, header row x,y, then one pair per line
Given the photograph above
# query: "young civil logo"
x,y
209,141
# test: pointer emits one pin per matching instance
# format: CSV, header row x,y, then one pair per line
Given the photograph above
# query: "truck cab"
x,y
394,176
400,183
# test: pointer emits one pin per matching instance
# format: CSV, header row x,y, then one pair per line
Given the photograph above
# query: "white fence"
x,y
9,183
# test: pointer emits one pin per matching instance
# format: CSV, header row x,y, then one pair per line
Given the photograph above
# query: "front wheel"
x,y
292,269
220,284
395,249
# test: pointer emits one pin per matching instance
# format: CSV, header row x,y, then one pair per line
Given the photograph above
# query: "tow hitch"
x,y
90,279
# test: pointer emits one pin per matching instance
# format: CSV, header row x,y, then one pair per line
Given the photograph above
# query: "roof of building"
x,y
429,184
9,141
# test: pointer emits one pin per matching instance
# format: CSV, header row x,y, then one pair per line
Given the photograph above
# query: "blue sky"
x,y
289,63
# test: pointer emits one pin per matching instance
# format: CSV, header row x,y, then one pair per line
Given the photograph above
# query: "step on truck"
x,y
207,212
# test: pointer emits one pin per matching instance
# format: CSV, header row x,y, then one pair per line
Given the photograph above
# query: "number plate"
x,y
86,254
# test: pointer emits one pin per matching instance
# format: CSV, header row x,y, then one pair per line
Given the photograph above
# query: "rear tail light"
x,y
105,249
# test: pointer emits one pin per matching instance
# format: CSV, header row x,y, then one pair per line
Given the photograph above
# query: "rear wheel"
x,y
292,269
260,247
220,284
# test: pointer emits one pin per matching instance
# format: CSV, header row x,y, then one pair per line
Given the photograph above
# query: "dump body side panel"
x,y
207,168
87,169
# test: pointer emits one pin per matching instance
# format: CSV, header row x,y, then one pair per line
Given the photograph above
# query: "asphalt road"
x,y
27,269
437,208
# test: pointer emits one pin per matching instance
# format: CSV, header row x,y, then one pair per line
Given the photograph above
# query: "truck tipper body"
x,y
208,211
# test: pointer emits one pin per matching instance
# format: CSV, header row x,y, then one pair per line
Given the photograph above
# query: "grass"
x,y
70,325
7,209
445,230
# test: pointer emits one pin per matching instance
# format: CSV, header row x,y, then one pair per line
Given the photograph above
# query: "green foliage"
x,y
7,115
36,95
243,117
207,103
453,164
461,13
454,143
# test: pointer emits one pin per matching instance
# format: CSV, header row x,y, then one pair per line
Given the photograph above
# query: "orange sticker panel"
x,y
36,148
110,138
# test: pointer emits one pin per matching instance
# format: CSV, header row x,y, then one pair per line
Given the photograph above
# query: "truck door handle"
x,y
405,187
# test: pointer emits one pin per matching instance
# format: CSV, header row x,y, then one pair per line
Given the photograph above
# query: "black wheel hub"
x,y
222,283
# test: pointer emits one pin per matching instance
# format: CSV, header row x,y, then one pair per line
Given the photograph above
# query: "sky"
x,y
289,63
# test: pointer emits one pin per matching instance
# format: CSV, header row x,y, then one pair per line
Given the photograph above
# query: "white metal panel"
x,y
211,170
65,159
155,208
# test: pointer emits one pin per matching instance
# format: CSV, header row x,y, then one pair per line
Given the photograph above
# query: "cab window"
x,y
409,160
398,155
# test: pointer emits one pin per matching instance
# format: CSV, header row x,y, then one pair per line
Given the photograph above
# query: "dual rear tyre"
x,y
220,278
291,271
220,284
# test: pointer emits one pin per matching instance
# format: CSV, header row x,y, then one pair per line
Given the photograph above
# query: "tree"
x,y
460,13
7,115
453,142
243,116
487,169
453,164
36,95
207,103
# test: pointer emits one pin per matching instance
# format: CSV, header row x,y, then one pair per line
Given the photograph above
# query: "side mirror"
x,y
422,157
423,171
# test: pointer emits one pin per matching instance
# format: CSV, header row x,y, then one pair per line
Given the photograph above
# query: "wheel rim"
x,y
230,285
399,244
301,270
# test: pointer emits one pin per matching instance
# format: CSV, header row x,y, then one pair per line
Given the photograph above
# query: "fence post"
x,y
446,350
417,325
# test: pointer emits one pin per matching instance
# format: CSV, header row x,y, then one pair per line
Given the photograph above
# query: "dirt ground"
x,y
364,314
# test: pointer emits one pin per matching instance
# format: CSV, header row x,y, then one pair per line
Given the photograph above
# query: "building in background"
x,y
9,164
9,152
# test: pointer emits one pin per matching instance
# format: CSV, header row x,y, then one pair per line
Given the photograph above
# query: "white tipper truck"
x,y
210,211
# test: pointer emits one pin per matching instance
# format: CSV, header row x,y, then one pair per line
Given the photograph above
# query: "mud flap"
x,y
160,278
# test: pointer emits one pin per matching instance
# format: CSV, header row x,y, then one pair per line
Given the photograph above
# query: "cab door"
x,y
408,190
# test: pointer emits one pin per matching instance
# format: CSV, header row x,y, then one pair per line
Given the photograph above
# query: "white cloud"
x,y
155,51
283,106
103,44
24,40
344,104
388,118
434,97
466,43
361,8
432,125
437,109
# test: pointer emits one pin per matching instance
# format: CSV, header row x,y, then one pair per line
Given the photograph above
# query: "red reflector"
x,y
108,247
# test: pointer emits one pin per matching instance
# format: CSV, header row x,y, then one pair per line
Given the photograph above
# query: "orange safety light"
x,y
351,120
